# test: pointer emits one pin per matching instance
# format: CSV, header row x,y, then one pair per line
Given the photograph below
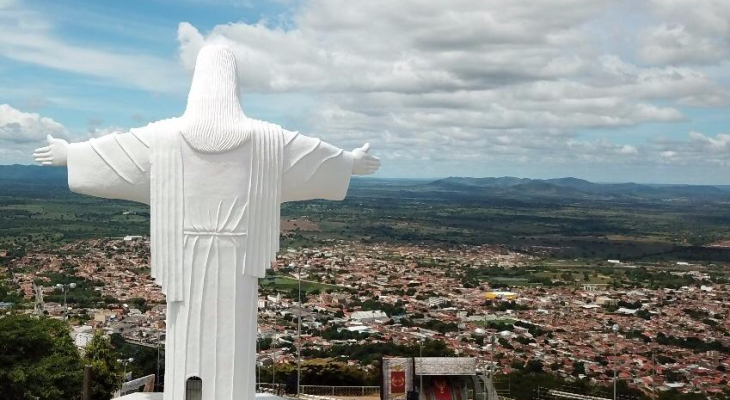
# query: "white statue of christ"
x,y
214,180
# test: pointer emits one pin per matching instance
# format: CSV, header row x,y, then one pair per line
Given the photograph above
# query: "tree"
x,y
38,360
138,303
145,358
675,395
645,314
534,367
106,373
579,368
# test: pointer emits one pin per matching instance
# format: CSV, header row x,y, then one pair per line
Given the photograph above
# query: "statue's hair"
x,y
213,119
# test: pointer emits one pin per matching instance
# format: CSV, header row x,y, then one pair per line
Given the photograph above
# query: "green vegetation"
x,y
567,218
498,324
101,356
373,305
83,295
9,295
333,333
327,372
285,284
371,353
692,343
653,276
433,324
526,380
38,360
145,358
50,214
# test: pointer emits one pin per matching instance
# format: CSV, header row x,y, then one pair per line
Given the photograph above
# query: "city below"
x,y
510,310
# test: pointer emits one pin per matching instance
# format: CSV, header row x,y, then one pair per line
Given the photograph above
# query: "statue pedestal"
x,y
158,396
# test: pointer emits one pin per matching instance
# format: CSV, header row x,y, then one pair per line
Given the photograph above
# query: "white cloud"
x,y
719,144
408,46
490,81
21,132
665,44
690,32
28,36
19,128
628,150
101,131
450,87
698,149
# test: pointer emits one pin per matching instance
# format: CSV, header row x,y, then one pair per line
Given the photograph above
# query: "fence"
x,y
275,388
503,385
146,383
569,392
340,391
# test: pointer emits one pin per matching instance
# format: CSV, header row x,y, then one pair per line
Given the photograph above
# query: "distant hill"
x,y
573,187
33,174
492,187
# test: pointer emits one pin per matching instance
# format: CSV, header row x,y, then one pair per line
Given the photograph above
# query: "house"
x,y
369,316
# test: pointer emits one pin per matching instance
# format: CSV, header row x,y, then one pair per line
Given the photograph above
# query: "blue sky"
x,y
606,90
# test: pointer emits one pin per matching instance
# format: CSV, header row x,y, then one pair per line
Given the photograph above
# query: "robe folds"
x,y
166,220
145,165
214,231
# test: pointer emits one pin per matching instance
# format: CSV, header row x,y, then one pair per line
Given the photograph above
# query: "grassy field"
x,y
286,284
499,321
568,227
53,214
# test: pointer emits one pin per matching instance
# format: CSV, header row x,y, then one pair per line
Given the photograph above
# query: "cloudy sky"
x,y
606,90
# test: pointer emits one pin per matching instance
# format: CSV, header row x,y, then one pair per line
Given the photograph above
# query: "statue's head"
x,y
214,95
215,76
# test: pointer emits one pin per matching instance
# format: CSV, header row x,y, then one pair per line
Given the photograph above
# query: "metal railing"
x,y
275,388
145,383
340,391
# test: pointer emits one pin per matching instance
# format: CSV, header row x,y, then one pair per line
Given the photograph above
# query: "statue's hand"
x,y
364,164
56,153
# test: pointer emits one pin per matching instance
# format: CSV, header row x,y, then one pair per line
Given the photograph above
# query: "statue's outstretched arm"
x,y
314,169
114,166
364,163
55,154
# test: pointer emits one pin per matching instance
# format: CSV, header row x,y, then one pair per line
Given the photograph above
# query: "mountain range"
x,y
574,187
507,187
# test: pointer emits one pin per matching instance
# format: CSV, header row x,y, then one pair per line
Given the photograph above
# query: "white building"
x,y
369,316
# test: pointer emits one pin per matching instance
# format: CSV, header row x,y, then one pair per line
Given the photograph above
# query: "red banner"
x,y
397,382
441,388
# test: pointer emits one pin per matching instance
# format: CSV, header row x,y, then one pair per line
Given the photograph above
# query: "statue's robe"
x,y
214,231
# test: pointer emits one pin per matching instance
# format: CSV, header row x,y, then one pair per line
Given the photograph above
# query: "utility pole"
x,y
299,330
653,373
38,300
485,325
492,341
86,393
157,377
458,333
65,288
273,359
125,362
615,329
421,395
